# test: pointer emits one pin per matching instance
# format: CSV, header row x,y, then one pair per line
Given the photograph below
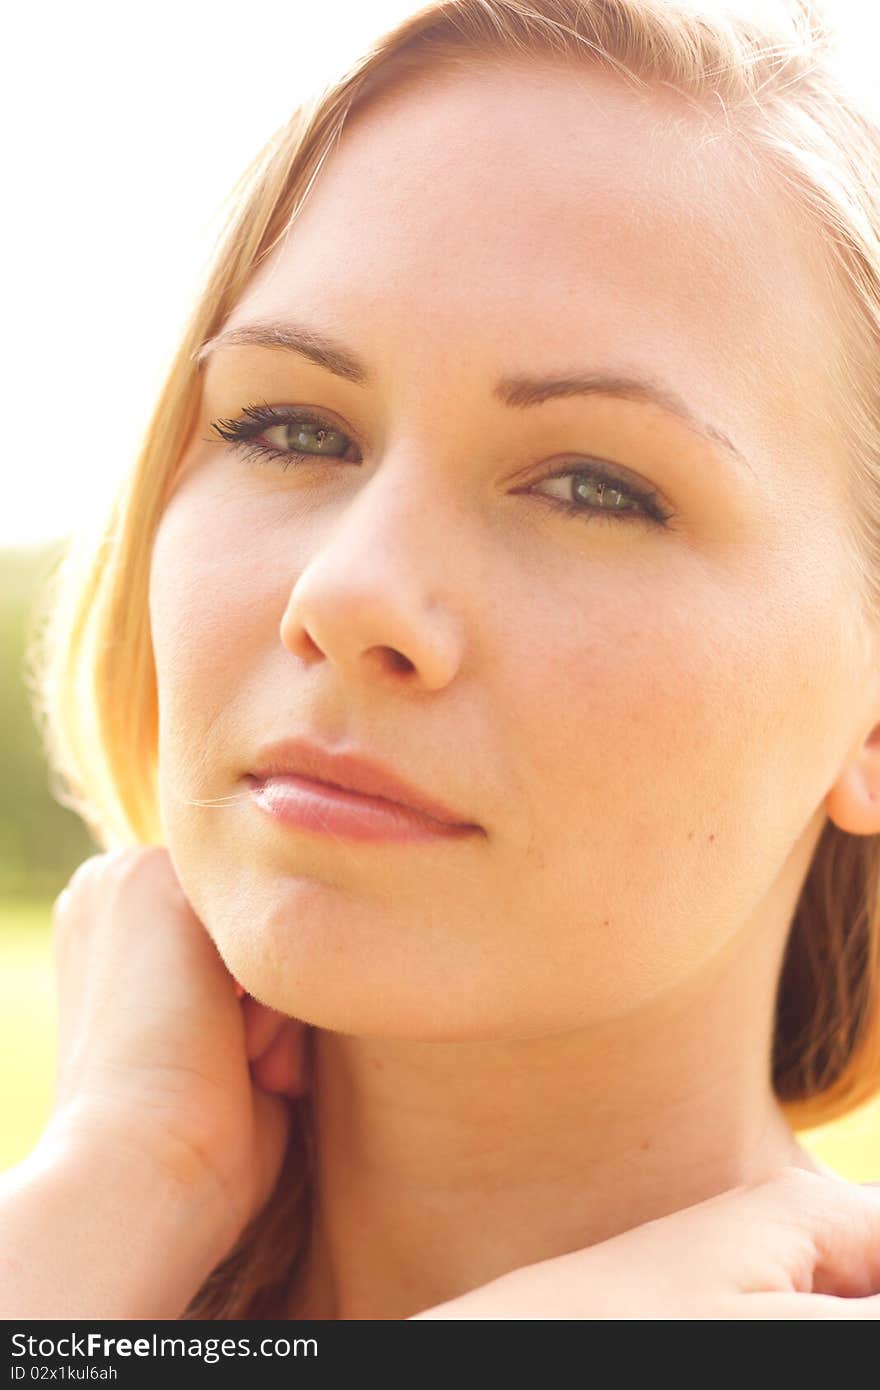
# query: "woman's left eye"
x,y
302,437
596,490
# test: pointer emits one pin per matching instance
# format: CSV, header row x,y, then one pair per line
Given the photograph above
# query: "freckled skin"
x,y
594,693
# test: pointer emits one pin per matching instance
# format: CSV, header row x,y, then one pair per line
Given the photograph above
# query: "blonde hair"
x,y
776,84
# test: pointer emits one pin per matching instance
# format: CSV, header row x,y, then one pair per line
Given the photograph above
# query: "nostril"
x,y
397,660
301,643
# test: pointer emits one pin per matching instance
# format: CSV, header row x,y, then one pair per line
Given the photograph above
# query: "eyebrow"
x,y
519,392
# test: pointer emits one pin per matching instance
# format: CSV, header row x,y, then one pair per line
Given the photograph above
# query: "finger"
x,y
792,1306
841,1221
261,1026
272,1129
283,1067
848,1246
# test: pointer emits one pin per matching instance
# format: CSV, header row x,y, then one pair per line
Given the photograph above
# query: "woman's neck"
x,y
440,1166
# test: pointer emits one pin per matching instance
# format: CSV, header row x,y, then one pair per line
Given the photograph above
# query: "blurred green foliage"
x,y
41,842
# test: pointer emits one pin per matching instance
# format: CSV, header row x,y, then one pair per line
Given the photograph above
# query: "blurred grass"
x,y
28,1042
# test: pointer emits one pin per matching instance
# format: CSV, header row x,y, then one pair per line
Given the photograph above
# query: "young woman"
x,y
482,660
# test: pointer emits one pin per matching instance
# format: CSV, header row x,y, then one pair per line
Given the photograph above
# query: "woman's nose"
x,y
373,600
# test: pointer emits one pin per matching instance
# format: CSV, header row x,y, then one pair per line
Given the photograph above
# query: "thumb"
x,y
273,1117
844,1222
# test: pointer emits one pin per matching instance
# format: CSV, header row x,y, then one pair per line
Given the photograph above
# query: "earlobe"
x,y
853,803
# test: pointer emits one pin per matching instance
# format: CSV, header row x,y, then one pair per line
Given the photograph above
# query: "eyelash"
x,y
241,433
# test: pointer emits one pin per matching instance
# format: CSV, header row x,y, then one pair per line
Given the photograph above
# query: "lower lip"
x,y
316,806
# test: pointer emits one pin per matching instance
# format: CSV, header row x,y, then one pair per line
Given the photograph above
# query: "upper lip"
x,y
350,771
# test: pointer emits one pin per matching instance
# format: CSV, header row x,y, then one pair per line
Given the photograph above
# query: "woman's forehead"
x,y
559,214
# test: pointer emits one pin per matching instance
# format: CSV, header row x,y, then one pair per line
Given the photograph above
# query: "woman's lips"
x,y
305,804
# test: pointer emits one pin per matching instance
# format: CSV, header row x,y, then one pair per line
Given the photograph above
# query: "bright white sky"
x,y
124,127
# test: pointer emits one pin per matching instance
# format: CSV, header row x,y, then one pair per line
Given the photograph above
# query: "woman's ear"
x,y
853,803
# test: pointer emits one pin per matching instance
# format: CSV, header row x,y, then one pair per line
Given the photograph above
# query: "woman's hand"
x,y
797,1245
158,1052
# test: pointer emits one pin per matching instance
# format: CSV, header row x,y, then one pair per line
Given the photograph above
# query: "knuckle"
x,y
82,874
60,905
149,863
123,860
95,864
131,865
790,1183
86,874
87,867
791,1174
149,870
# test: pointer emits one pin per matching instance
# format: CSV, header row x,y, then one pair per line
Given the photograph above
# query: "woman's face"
x,y
642,703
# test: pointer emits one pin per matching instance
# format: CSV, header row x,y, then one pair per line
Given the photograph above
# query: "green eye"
x,y
325,440
598,491
307,436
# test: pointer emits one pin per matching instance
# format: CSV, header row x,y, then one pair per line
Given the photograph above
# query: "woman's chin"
x,y
365,999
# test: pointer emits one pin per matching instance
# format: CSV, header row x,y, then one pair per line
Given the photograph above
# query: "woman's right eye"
x,y
301,436
326,440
